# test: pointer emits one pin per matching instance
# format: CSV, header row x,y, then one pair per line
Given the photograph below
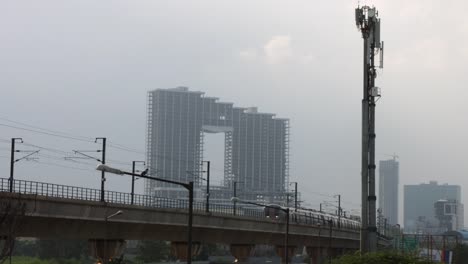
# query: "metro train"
x,y
311,217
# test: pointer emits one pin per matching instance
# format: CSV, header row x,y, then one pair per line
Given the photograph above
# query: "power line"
x,y
118,162
67,135
114,145
122,147
58,151
59,134
44,129
46,133
318,194
64,166
63,159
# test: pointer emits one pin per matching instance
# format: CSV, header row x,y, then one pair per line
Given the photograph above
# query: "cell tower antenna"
x,y
368,22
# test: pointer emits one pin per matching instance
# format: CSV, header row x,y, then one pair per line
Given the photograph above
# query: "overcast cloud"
x,y
84,67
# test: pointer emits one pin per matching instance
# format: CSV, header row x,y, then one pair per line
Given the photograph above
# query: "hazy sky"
x,y
84,67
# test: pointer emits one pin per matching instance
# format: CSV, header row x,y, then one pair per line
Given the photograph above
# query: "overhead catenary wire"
x,y
113,145
47,130
46,133
317,193
63,166
56,133
65,135
121,147
63,159
58,151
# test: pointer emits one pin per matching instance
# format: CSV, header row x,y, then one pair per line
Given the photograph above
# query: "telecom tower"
x,y
368,23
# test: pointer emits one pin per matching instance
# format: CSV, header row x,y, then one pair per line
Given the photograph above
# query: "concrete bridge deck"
x,y
58,211
51,217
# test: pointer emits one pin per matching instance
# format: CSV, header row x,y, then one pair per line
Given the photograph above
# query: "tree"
x,y
11,214
25,247
62,249
152,251
210,249
460,255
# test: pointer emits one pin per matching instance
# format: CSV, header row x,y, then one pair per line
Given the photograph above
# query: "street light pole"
x,y
286,210
188,186
133,178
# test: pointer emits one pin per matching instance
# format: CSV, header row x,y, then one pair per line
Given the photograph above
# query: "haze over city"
x,y
85,68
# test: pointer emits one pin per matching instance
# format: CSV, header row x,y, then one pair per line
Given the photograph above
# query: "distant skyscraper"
x,y
256,148
388,189
419,205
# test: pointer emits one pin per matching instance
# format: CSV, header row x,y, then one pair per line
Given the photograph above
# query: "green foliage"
x,y
211,250
460,255
153,251
381,258
25,248
31,260
61,249
51,252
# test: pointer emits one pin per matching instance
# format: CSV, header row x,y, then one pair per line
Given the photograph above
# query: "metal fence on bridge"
x,y
88,194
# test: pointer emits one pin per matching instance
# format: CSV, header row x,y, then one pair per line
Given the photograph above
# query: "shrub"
x,y
380,258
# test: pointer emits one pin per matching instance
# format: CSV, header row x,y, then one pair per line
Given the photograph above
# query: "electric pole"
x,y
12,160
207,209
103,161
133,178
339,210
295,196
235,195
368,23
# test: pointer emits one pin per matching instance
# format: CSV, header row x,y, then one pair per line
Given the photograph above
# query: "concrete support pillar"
x,y
317,255
280,252
241,251
105,250
179,249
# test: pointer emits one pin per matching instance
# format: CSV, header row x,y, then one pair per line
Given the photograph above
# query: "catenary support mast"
x,y
368,23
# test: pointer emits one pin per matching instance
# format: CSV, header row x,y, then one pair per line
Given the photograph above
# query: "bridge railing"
x,y
88,194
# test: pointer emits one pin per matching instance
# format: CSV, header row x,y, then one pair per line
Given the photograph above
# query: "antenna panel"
x,y
358,15
377,34
381,55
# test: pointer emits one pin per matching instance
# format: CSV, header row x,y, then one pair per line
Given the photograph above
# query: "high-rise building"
x,y
256,149
419,202
449,213
388,189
